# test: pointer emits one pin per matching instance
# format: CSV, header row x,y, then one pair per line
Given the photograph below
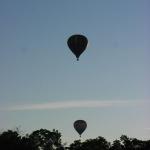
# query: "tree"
x,y
116,145
76,145
99,143
91,144
10,140
45,139
40,139
51,140
134,144
127,143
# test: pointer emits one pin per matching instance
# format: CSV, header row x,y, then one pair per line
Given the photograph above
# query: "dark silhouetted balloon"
x,y
80,126
77,44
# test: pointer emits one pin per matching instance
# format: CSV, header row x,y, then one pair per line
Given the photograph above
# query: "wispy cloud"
x,y
74,104
148,128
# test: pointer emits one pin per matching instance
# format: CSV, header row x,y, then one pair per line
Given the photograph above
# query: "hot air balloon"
x,y
80,126
77,44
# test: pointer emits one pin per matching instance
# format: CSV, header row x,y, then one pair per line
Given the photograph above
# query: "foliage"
x,y
41,139
44,139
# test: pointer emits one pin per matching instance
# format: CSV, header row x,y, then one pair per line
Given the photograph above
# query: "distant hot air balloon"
x,y
80,126
77,44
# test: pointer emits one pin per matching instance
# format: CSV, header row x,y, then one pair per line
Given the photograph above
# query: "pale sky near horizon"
x,y
43,86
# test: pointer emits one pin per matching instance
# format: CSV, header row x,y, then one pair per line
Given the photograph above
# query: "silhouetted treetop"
x,y
44,139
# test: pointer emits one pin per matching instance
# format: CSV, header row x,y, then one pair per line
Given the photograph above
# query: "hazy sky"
x,y
43,86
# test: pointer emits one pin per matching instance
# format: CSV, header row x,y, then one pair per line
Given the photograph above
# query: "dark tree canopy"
x,y
44,139
41,139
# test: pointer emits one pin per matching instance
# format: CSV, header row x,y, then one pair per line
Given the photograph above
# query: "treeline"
x,y
44,139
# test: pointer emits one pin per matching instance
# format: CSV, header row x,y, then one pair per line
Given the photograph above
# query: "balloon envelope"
x,y
80,126
77,44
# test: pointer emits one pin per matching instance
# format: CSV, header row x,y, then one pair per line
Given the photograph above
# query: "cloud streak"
x,y
74,104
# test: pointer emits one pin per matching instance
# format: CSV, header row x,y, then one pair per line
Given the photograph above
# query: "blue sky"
x,y
43,86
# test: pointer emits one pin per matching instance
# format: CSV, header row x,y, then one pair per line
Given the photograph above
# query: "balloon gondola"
x,y
77,44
